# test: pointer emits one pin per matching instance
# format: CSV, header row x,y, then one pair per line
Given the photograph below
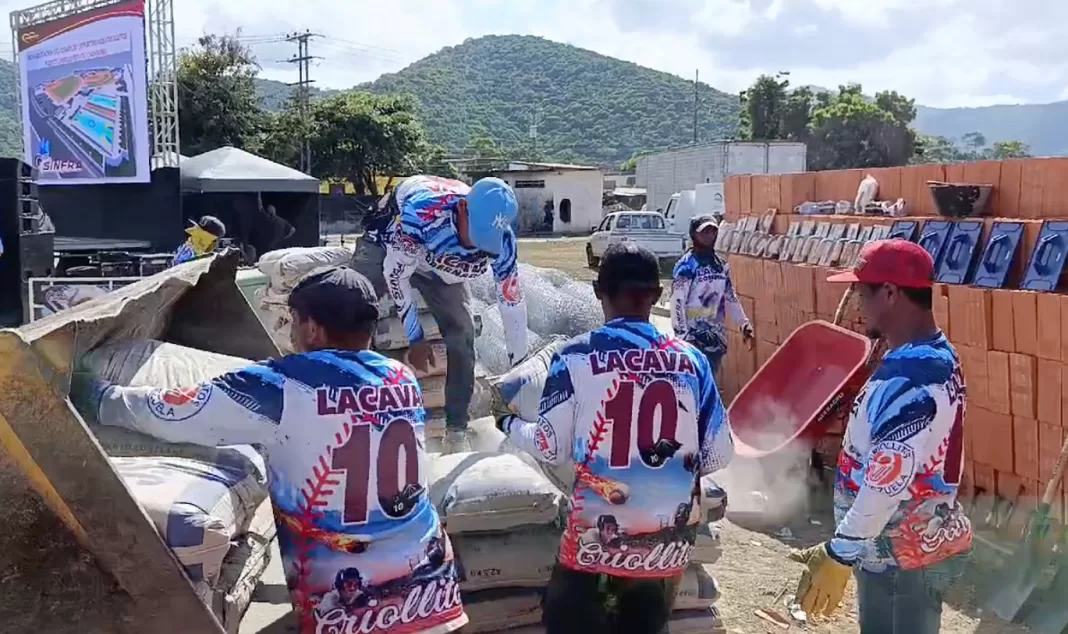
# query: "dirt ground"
x,y
754,570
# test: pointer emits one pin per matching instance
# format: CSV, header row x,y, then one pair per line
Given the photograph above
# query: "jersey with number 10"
x,y
639,415
362,545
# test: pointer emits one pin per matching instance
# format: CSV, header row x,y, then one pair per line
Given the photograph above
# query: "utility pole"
x,y
534,133
696,75
303,85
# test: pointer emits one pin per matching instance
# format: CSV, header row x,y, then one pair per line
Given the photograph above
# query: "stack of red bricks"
x,y
1013,347
1013,344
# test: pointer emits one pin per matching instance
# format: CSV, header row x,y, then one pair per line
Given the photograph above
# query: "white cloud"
x,y
942,52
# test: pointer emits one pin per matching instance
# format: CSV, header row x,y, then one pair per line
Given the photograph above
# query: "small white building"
x,y
569,195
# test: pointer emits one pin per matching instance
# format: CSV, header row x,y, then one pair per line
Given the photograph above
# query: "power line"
x,y
303,93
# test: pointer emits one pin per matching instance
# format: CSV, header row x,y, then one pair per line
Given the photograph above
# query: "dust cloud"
x,y
773,489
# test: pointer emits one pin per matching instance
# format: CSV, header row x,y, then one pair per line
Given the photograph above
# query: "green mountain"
x,y
10,129
1044,126
602,110
588,107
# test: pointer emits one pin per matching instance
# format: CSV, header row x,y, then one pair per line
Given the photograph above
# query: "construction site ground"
x,y
753,573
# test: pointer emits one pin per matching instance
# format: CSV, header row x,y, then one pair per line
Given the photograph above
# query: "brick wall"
x,y
1013,344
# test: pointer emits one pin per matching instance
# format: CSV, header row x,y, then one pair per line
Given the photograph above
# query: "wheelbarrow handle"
x,y
839,314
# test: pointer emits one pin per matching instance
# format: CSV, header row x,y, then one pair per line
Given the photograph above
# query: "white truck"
x,y
645,228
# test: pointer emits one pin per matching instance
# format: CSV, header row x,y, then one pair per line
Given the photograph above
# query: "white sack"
x,y
520,559
484,492
148,362
285,267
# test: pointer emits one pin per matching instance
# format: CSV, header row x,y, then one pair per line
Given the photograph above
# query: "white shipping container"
x,y
665,173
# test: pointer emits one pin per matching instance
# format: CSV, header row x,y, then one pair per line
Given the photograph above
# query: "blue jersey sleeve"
x,y
682,278
713,427
241,407
550,438
510,299
403,254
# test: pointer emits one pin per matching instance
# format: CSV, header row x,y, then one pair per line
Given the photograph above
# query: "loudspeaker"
x,y
28,239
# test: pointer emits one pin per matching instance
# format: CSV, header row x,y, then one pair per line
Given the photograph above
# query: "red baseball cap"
x,y
898,262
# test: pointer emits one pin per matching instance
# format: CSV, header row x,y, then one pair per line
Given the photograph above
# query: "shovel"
x,y
1050,616
1021,575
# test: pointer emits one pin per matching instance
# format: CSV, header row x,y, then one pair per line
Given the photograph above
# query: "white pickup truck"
x,y
645,228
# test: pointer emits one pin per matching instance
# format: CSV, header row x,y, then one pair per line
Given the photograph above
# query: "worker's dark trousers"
x,y
906,601
586,603
450,304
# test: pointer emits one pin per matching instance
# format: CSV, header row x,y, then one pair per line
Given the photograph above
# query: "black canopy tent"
x,y
236,187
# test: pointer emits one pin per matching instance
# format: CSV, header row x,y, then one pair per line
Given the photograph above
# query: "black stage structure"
x,y
238,187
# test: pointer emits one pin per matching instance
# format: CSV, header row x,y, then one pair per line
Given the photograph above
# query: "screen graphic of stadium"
x,y
84,100
90,111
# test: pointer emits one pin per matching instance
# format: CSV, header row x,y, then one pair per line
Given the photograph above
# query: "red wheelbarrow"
x,y
801,389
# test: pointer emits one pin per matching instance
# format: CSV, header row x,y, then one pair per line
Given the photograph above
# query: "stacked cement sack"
x,y
504,519
284,268
209,504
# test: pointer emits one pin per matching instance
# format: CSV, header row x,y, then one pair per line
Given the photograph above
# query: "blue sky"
x,y
942,52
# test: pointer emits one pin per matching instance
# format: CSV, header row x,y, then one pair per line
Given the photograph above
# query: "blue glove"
x,y
86,392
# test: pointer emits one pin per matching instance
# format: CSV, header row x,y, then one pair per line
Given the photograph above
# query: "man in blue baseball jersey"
x,y
702,295
434,234
342,429
637,412
900,528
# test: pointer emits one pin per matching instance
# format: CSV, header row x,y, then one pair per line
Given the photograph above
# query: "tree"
x,y
762,108
1010,149
852,131
970,147
217,100
433,160
357,136
483,147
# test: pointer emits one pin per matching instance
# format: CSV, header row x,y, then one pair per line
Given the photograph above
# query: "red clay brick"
x,y
1049,391
1022,370
1025,321
1001,318
1025,447
985,480
1049,326
1050,438
998,382
992,438
973,364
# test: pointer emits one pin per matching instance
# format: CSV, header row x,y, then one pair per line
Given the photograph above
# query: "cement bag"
x,y
196,507
390,333
519,390
497,610
285,267
242,569
433,391
148,362
440,359
697,589
485,492
521,559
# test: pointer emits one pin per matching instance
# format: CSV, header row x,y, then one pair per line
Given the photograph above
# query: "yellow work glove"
x,y
823,585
